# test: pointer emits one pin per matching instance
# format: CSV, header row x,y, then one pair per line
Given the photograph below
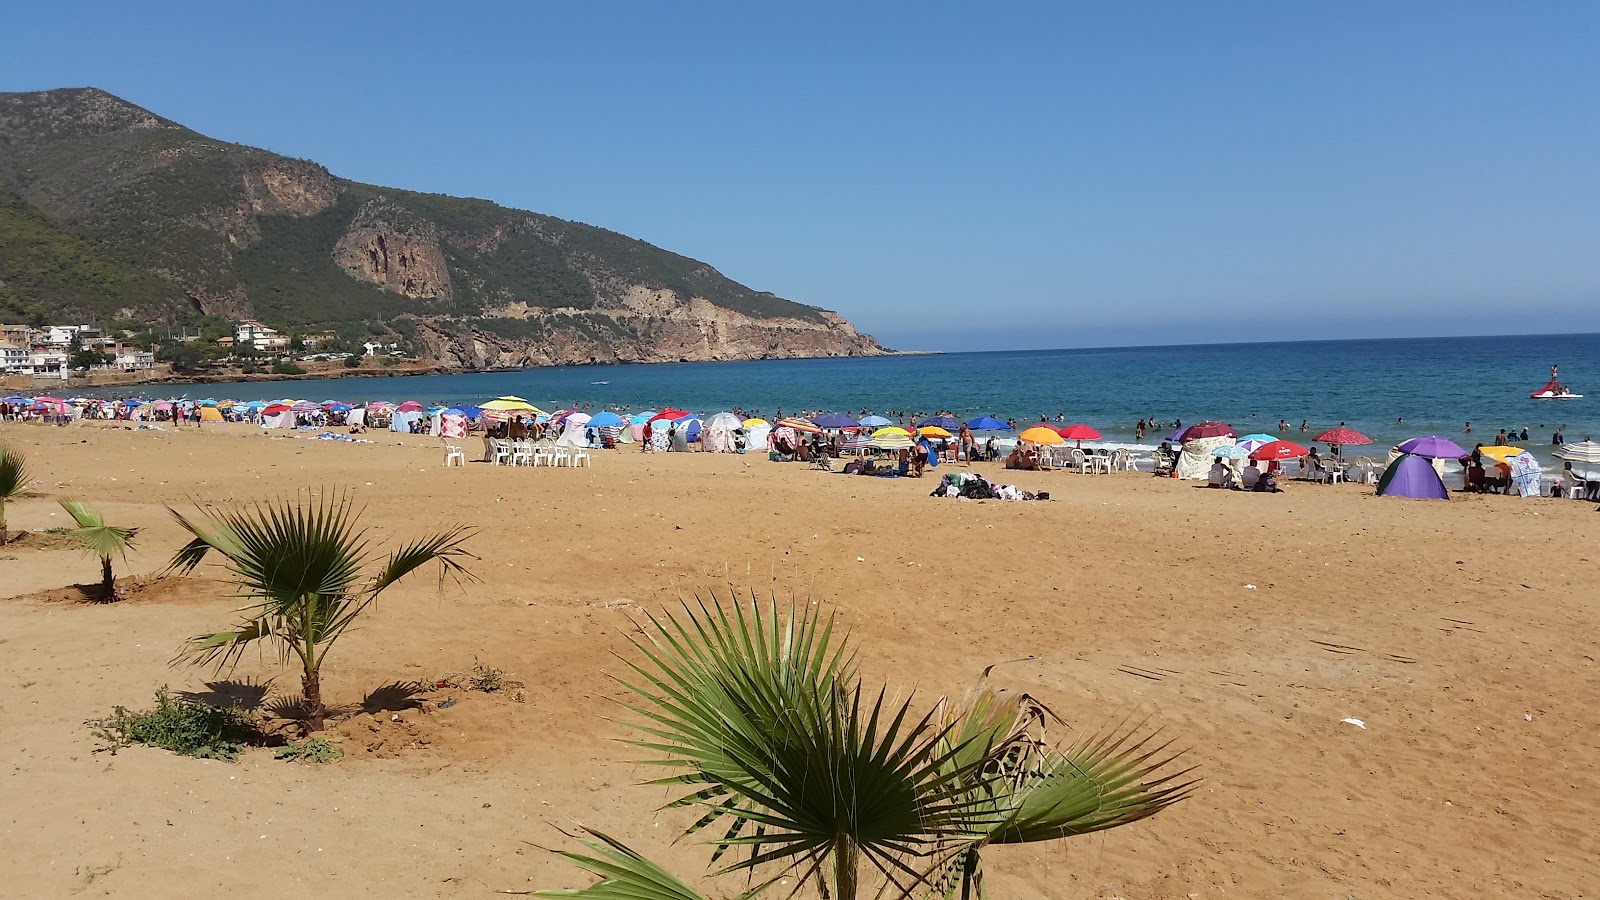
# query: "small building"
x,y
261,336
64,335
13,358
132,359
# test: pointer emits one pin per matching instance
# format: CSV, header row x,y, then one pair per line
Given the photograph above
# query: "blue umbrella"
x,y
835,420
987,423
1231,451
875,422
606,420
1176,435
948,423
339,408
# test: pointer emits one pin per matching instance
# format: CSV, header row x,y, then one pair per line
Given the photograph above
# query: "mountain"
x,y
108,210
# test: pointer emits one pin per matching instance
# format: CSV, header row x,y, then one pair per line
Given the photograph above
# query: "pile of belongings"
x,y
972,486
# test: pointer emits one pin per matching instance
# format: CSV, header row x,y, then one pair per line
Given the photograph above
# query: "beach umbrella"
x,y
1278,450
25,400
1501,453
940,422
576,418
409,406
1229,451
800,425
1041,434
163,406
875,422
344,408
606,420
835,420
274,409
1433,447
1078,432
985,423
304,406
1342,435
754,423
933,431
1251,441
891,438
1583,451
1175,435
669,414
1412,476
639,418
512,404
1206,430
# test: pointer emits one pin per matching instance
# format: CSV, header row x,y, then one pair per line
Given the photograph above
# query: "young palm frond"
x,y
624,874
1037,792
13,483
772,731
303,563
101,540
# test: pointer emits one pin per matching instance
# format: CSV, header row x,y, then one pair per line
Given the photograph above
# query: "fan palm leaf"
x,y
624,874
303,563
100,540
770,727
13,483
1037,792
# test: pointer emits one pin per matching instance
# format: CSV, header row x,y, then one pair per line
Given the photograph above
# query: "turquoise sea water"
x,y
1435,385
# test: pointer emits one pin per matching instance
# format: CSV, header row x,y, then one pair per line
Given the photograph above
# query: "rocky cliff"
x,y
240,232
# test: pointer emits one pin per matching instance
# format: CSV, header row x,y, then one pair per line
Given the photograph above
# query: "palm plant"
x,y
303,563
764,720
100,539
13,484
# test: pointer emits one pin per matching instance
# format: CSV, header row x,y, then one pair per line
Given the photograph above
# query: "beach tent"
x,y
210,414
400,421
278,415
756,435
1194,463
452,425
717,436
688,428
1412,476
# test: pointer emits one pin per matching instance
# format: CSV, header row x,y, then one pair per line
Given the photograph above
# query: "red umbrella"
x,y
1206,430
1342,435
274,409
668,413
409,406
1079,432
1278,450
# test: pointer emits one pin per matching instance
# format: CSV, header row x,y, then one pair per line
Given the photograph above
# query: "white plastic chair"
x,y
1334,472
543,454
453,455
1080,461
561,456
579,456
502,452
521,453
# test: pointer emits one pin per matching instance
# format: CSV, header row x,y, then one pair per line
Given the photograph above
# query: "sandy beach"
x,y
1464,635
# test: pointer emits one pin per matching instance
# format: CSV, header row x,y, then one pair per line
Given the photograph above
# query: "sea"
x,y
1389,389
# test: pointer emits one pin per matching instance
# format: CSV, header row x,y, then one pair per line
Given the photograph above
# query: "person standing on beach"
x,y
645,436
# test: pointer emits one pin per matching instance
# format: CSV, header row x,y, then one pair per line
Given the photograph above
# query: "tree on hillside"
x,y
806,772
182,357
303,562
100,539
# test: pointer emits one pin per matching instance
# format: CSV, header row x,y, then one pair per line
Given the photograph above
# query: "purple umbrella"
x,y
1412,476
1433,446
1176,435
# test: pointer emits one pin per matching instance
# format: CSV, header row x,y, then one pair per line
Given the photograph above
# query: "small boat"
x,y
599,382
1555,390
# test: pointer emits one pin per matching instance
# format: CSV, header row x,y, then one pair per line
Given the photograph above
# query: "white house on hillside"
x,y
261,336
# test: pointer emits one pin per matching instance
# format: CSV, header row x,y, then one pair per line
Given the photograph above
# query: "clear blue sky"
x,y
961,176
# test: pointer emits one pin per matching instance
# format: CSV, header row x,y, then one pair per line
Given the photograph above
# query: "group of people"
x,y
1253,478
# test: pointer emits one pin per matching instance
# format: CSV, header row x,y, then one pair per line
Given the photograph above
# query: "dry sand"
x,y
1464,634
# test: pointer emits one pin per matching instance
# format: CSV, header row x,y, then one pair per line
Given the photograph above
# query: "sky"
x,y
950,176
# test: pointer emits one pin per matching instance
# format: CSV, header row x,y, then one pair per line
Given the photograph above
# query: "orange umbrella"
x,y
1041,434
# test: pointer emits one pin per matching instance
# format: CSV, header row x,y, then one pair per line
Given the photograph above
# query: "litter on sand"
x,y
1356,722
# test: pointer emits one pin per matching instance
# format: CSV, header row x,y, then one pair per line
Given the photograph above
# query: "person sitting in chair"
x,y
1252,475
1020,458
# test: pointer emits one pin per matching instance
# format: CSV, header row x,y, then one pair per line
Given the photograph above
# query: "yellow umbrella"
x,y
513,404
933,431
891,438
751,423
1040,435
1501,453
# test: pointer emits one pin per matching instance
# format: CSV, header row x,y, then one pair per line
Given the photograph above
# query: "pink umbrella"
x,y
409,406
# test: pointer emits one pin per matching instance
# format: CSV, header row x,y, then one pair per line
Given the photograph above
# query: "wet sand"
x,y
1465,635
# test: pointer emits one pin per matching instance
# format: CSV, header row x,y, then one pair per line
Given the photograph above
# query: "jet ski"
x,y
1555,390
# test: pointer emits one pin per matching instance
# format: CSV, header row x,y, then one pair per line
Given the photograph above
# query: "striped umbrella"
x,y
1583,451
800,425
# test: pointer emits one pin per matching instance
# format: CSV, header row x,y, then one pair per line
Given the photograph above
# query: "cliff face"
x,y
240,232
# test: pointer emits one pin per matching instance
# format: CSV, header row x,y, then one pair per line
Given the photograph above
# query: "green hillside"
x,y
47,272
